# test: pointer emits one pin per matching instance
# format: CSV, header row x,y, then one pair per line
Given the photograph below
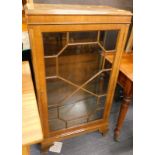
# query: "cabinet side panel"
x,y
115,69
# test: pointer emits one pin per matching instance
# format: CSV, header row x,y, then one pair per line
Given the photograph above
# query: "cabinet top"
x,y
62,9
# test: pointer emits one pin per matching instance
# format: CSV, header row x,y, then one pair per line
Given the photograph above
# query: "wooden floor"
x,y
95,144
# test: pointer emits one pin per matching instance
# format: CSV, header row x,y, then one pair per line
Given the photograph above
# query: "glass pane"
x,y
74,111
57,90
50,66
83,36
99,85
79,96
96,116
52,113
56,124
79,63
76,122
108,39
53,42
102,36
79,105
109,59
101,102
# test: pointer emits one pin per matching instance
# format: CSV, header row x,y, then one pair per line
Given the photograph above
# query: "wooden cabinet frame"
x,y
39,23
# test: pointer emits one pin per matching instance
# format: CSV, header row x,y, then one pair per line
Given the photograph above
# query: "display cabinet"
x,y
74,82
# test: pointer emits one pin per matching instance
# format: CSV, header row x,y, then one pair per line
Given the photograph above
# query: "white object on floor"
x,y
56,147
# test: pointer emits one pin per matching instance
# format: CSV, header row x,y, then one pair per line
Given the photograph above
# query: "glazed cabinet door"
x,y
74,77
77,77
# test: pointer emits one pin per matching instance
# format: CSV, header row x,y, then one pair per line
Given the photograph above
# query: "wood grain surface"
x,y
31,126
62,9
126,66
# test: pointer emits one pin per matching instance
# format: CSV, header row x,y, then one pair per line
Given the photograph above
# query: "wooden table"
x,y
24,24
125,79
25,35
31,125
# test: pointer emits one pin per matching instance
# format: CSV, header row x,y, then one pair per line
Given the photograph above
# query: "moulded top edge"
x,y
63,9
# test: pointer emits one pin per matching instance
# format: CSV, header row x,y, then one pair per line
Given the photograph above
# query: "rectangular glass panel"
x,y
50,67
101,102
53,42
108,39
76,122
96,116
108,64
52,113
75,37
56,124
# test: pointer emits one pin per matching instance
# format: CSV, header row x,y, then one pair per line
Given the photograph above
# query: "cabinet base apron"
x,y
99,125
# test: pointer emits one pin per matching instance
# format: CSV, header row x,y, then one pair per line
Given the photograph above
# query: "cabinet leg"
x,y
104,130
45,147
122,114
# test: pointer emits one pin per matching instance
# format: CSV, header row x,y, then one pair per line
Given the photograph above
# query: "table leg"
x,y
26,150
123,110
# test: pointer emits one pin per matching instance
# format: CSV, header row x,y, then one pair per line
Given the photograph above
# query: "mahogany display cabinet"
x,y
74,82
